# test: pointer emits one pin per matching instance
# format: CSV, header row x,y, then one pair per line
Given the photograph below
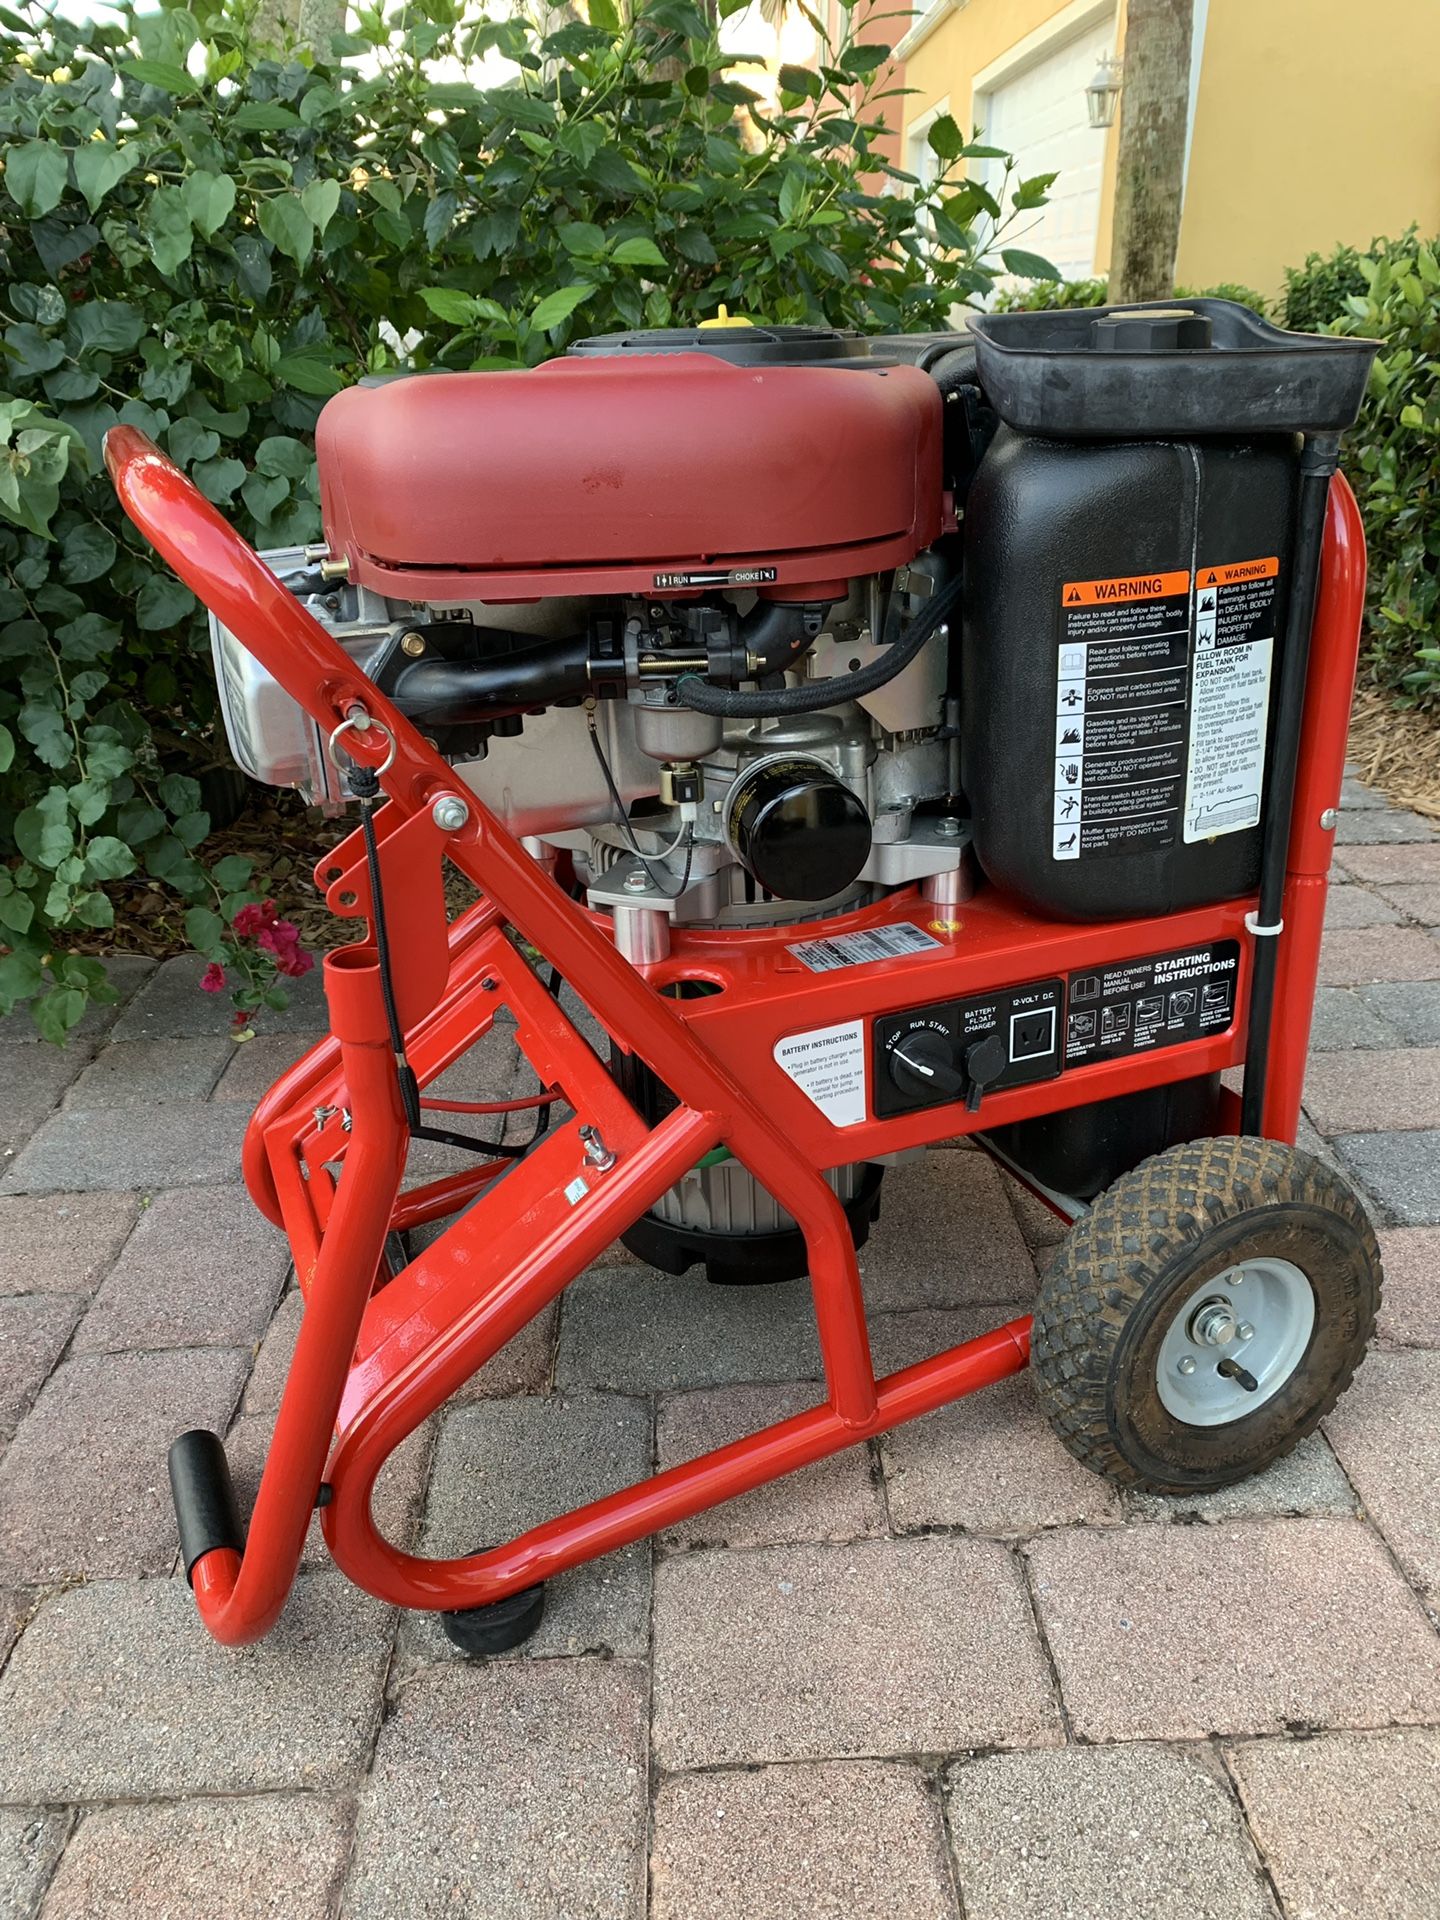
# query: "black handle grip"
x,y
204,1496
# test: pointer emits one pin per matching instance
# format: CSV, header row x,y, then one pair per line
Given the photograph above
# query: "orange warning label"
x,y
1135,586
1239,570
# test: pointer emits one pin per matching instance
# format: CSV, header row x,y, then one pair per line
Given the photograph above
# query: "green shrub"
x,y
1318,294
1096,293
207,244
1393,457
1052,294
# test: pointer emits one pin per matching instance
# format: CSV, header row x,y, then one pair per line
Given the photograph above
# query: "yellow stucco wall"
x,y
1317,121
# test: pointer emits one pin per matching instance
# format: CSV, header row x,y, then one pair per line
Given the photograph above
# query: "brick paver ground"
x,y
949,1674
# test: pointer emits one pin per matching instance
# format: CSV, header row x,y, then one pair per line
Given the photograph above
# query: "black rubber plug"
x,y
482,1631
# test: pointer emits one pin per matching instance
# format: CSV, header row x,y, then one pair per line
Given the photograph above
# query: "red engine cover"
x,y
614,475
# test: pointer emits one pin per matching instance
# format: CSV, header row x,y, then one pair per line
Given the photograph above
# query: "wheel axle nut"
x,y
1245,1331
450,813
1187,1365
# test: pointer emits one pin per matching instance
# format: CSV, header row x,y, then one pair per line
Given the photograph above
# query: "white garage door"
x,y
1039,115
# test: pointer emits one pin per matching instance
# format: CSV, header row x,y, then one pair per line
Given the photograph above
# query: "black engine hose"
x,y
459,693
776,632
697,694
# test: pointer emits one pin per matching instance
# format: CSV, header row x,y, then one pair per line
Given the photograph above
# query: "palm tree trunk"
x,y
1154,117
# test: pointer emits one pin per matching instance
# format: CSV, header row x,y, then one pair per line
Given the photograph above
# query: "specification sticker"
x,y
1230,695
900,942
1151,1003
828,1065
1120,712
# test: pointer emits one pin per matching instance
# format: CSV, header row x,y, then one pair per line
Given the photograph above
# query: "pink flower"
x,y
240,1018
282,940
253,919
213,978
295,963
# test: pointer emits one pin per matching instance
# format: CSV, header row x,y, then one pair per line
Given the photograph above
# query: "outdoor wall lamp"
x,y
1103,93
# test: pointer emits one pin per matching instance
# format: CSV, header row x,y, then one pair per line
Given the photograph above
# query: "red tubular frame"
x,y
372,1364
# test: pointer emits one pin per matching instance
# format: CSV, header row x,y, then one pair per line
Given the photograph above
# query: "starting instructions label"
x,y
1162,697
1151,1003
1230,695
828,1065
900,942
1120,712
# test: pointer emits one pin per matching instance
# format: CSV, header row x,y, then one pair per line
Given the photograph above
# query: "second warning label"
x,y
1121,703
1230,695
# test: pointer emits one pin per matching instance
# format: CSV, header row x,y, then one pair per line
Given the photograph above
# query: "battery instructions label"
x,y
1230,695
828,1066
1122,691
1145,1004
900,942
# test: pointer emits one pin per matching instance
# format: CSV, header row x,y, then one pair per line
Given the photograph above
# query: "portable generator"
x,y
887,740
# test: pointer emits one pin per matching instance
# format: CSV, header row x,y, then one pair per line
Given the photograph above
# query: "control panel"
x,y
959,1050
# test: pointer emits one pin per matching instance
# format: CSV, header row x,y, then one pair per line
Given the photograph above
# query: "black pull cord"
x,y
364,783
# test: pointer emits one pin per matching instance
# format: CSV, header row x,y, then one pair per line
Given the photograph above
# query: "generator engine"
x,y
745,626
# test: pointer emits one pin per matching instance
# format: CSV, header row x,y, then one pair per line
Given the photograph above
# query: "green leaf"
x,y
447,303
99,167
107,858
191,828
233,872
638,252
320,200
558,306
188,441
309,371
209,201
792,194
582,238
138,822
7,749
44,727
205,930
166,221
287,226
105,326
945,138
262,494
280,454
1027,266
802,80
160,73
264,116
20,975
60,1010
43,832
86,553
35,176
164,601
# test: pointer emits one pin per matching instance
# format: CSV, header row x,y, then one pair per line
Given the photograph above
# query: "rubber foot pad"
x,y
480,1631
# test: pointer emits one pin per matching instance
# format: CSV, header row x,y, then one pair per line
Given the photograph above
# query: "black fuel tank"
x,y
1124,606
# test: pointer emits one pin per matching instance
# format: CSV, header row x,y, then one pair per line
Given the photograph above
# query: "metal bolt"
x,y
596,1152
1329,819
450,813
1213,1325
413,644
1245,1330
635,882
1187,1365
948,829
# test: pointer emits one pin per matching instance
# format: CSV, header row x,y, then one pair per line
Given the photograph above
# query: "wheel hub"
x,y
1263,1309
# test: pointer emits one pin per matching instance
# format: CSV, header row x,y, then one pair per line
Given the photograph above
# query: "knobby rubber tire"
x,y
1125,1269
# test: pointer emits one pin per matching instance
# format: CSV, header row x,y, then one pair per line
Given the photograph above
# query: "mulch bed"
x,y
1397,753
